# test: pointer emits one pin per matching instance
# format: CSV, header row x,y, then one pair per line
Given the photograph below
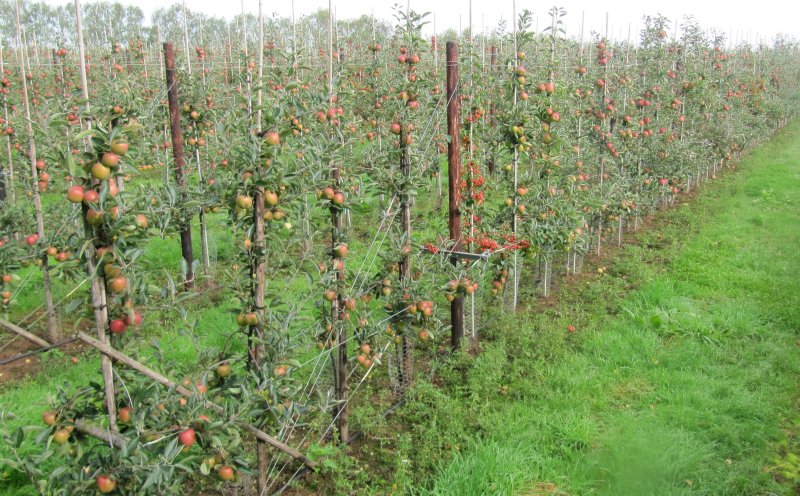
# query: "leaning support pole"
x,y
22,332
454,185
177,154
112,438
130,362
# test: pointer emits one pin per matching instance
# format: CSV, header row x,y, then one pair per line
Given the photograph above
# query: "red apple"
x,y
244,202
341,250
226,473
141,221
223,370
124,414
105,484
119,148
61,436
134,318
49,417
91,197
272,138
75,194
187,438
110,159
118,284
117,326
100,171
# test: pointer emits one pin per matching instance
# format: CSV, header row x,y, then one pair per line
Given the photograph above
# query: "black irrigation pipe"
x,y
352,438
14,358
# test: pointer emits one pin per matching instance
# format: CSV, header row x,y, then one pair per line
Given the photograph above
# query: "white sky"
x,y
753,22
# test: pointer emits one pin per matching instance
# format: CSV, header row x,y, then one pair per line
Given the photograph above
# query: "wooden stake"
x,y
98,290
52,324
186,40
454,184
7,177
405,366
260,266
492,65
259,98
98,432
177,154
22,332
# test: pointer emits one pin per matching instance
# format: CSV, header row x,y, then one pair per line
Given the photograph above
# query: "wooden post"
x,y
454,184
492,64
247,65
260,267
98,289
260,93
515,284
405,367
52,324
257,332
435,47
54,65
341,411
204,254
7,176
177,154
186,39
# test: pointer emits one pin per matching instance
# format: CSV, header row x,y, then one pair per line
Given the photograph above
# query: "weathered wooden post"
x,y
341,411
405,365
177,154
52,324
259,268
492,67
454,184
98,289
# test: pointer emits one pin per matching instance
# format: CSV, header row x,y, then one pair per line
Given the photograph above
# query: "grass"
x,y
681,378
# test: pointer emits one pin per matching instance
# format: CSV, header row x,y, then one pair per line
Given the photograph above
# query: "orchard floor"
x,y
681,377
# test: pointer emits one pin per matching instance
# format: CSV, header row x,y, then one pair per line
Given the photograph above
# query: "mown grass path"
x,y
682,377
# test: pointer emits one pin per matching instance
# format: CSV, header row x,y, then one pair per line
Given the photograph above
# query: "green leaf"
x,y
151,480
19,436
84,134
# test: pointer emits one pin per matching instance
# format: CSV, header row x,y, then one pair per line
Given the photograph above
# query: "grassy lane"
x,y
681,378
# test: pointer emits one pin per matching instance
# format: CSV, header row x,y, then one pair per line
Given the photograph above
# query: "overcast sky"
x,y
759,21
